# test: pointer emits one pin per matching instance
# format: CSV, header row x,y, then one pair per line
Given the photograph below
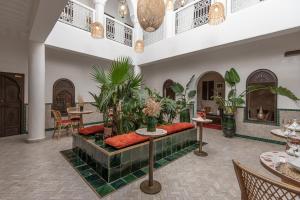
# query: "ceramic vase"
x,y
229,125
151,124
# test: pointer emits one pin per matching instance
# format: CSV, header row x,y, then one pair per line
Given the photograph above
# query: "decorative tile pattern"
x,y
101,186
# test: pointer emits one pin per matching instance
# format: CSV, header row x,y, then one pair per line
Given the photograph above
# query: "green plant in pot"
x,y
118,85
184,99
152,111
234,100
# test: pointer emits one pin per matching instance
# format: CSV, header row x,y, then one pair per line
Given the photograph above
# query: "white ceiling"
x,y
15,17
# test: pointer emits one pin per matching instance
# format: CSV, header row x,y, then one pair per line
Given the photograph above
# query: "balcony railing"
x,y
192,16
237,5
78,15
118,31
152,37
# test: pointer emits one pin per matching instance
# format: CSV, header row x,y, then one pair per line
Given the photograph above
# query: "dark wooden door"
x,y
11,103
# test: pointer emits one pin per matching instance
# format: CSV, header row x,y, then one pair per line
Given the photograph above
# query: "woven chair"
x,y
257,187
60,124
75,119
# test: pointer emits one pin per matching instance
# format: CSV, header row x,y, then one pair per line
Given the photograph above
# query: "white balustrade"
x,y
118,31
152,37
237,5
192,15
78,15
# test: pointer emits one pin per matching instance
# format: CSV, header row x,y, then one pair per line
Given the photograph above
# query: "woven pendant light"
x,y
150,14
216,13
139,46
97,30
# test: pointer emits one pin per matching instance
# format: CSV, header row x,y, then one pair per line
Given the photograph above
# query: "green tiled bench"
x,y
112,164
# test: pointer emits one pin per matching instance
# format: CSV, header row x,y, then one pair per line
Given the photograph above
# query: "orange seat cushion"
x,y
177,127
64,121
125,140
91,130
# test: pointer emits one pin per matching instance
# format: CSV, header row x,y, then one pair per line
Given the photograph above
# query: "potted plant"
x,y
118,85
152,111
234,100
184,99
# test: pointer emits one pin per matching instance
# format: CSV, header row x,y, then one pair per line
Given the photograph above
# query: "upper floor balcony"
x,y
184,30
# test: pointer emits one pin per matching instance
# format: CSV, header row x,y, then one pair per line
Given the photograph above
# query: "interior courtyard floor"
x,y
38,171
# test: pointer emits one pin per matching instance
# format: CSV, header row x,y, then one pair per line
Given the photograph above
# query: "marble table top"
x,y
201,120
77,112
283,134
159,132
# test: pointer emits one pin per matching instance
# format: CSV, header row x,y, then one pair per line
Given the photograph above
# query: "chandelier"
x,y
97,30
216,13
123,8
150,14
139,46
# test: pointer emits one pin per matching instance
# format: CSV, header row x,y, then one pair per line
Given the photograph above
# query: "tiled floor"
x,y
39,172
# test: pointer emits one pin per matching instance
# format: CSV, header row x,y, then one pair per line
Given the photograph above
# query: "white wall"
x,y
246,58
77,68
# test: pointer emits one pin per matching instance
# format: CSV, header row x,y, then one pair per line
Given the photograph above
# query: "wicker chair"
x,y
257,187
60,124
75,119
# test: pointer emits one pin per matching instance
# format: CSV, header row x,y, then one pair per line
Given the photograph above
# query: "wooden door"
x,y
11,103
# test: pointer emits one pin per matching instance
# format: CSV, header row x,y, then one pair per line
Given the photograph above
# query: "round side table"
x,y
151,186
200,121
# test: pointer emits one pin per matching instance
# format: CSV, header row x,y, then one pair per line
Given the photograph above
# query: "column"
x,y
99,7
137,70
169,24
36,91
138,31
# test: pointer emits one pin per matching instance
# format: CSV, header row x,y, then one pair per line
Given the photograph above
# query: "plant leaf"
x,y
189,83
177,88
192,94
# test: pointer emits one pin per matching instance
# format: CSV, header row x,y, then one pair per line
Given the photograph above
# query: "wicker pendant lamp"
x,y
150,14
216,13
123,8
97,30
139,46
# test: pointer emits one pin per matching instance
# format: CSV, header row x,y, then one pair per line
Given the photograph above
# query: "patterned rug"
x,y
103,188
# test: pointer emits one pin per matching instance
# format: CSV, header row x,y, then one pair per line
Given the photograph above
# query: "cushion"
x,y
92,130
125,140
177,127
64,121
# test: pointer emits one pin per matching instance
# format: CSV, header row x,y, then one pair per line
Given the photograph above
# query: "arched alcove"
x,y
167,90
63,95
262,100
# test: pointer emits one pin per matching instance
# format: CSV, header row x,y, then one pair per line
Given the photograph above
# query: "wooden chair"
x,y
60,124
75,119
256,187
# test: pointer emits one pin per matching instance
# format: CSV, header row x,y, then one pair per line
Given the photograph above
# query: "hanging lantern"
x,y
180,3
97,30
169,5
150,14
216,13
123,9
139,46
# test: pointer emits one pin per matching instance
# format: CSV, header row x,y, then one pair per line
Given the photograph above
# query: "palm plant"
x,y
118,85
184,98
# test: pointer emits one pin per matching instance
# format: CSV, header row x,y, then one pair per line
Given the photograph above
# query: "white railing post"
x,y
99,8
169,24
138,31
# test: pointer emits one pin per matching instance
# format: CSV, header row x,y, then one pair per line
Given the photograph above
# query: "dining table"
x,y
80,113
277,163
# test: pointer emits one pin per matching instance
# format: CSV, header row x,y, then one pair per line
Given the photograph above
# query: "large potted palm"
x,y
235,100
184,99
119,86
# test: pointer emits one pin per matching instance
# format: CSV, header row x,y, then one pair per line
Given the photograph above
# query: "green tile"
x,y
157,165
87,172
98,183
115,160
92,178
125,169
139,173
114,174
118,183
105,190
126,156
145,169
163,162
83,167
129,178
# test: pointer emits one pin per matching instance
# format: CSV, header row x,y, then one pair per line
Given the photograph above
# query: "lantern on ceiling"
x,y
216,13
123,8
97,30
150,14
139,46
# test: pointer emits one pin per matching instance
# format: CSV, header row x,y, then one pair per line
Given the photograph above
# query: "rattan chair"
x,y
256,187
60,124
